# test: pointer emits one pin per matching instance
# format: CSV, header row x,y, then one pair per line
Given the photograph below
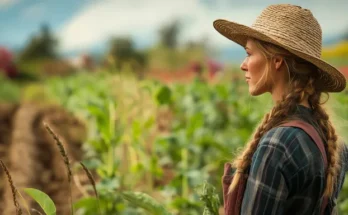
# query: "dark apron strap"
x,y
310,130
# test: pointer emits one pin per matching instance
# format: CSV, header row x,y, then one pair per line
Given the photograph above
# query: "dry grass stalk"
x,y
13,188
61,150
92,181
65,158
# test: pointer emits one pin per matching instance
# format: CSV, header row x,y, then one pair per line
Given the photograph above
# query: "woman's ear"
x,y
277,62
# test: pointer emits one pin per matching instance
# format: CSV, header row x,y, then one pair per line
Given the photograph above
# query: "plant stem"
x,y
24,202
184,156
71,202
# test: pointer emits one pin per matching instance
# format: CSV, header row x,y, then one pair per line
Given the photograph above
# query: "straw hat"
x,y
294,29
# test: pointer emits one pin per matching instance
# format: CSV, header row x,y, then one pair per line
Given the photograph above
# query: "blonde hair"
x,y
301,86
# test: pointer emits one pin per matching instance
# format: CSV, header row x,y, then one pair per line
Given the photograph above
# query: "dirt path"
x,y
32,156
6,114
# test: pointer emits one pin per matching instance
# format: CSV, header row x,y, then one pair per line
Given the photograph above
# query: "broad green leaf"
x,y
87,203
163,95
43,200
145,201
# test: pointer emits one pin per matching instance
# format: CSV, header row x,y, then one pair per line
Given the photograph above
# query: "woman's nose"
x,y
243,66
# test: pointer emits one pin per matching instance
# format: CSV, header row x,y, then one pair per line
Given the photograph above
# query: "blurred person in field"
x,y
215,68
210,66
295,163
197,68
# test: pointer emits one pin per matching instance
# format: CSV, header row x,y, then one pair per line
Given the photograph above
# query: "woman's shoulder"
x,y
284,135
292,141
294,146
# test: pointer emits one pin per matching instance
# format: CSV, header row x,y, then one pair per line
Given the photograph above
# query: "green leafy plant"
x,y
145,201
42,199
211,200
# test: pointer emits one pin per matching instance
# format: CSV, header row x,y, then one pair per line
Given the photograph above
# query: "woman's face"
x,y
254,66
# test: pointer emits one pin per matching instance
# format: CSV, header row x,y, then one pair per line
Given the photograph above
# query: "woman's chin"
x,y
255,92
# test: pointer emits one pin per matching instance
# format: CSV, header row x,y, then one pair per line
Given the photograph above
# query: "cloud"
x,y
137,18
7,3
141,19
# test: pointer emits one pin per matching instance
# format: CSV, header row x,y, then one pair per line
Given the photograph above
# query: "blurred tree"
x,y
123,51
169,34
197,49
42,45
345,36
198,44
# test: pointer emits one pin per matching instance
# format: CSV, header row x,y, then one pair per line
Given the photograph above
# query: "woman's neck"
x,y
277,96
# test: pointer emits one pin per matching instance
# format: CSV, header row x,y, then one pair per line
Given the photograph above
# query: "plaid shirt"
x,y
287,173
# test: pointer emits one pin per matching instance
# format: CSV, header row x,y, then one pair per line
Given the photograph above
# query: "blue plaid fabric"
x,y
287,173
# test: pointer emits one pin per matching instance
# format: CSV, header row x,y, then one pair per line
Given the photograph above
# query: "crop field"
x,y
150,146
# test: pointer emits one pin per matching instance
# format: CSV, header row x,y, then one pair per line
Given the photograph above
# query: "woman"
x,y
283,167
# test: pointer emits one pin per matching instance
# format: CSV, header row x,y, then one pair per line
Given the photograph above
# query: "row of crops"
x,y
168,141
163,140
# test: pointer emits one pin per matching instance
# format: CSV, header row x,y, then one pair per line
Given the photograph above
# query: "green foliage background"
x,y
163,140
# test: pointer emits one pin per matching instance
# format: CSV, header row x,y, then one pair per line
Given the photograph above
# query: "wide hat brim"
x,y
329,79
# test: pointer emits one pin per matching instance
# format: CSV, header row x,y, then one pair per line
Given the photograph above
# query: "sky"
x,y
86,25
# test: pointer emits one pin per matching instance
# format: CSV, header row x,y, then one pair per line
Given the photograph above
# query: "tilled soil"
x,y
33,158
